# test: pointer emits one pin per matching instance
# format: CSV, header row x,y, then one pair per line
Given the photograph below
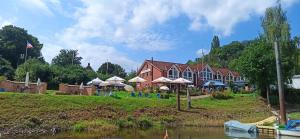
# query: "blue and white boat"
x,y
292,129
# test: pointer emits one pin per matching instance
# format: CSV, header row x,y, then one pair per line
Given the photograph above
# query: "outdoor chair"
x,y
140,94
146,94
158,95
110,93
132,94
2,90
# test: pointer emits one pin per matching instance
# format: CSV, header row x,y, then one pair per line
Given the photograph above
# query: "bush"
x,y
2,78
221,95
78,127
167,119
144,123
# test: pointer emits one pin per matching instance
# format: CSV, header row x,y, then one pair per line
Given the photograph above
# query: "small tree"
x,y
67,57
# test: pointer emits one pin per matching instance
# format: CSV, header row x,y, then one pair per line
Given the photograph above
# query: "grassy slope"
x,y
21,110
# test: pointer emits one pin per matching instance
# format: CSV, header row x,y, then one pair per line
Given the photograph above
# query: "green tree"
x,y
215,43
6,69
257,63
70,74
67,57
277,29
13,41
111,69
36,68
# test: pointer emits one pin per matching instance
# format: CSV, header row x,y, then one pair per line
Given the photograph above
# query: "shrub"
x,y
2,78
78,127
167,119
144,123
221,95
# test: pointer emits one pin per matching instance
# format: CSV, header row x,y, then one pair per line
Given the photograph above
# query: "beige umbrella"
x,y
164,88
136,79
38,84
96,81
81,88
104,83
129,88
27,79
180,81
162,80
115,79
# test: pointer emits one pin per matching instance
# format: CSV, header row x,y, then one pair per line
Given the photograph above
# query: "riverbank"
x,y
41,114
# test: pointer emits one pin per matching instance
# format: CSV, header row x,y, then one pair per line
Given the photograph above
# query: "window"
x,y
173,73
207,74
229,77
187,74
219,77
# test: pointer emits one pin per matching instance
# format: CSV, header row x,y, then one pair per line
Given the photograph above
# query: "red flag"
x,y
29,45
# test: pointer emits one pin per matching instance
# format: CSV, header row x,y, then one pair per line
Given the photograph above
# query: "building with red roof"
x,y
198,73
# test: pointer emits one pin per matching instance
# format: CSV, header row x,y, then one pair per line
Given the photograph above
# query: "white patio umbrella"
x,y
164,88
81,86
104,83
89,83
180,81
96,81
115,79
27,79
137,79
129,88
38,84
162,80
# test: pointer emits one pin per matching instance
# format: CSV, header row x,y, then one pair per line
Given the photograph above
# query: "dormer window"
x,y
173,73
188,74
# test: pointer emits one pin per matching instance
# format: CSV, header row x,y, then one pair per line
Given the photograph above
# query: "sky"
x,y
127,32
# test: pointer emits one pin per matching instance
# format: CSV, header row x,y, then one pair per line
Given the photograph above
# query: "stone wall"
x,y
74,89
13,86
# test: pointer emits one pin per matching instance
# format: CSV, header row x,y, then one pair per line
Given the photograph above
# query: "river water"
x,y
174,133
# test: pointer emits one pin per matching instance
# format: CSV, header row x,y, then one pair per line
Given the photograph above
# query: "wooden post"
x,y
188,98
178,97
280,86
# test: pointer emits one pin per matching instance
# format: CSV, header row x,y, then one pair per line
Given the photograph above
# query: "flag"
x,y
29,45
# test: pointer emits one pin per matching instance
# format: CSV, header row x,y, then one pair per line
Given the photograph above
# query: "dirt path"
x,y
196,97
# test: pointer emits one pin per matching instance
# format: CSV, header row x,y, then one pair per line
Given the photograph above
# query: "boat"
x,y
292,129
237,126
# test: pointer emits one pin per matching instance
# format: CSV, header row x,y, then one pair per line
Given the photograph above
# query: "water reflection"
x,y
174,133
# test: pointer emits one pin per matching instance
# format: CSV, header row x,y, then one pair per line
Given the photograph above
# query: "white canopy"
x,y
104,83
129,88
89,83
115,79
164,88
181,81
27,79
162,80
137,79
96,81
81,86
38,83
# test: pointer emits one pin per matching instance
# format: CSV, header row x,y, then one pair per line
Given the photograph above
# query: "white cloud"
x,y
5,22
202,52
130,23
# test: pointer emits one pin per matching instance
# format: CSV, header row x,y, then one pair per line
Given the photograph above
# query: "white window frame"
x,y
173,68
187,71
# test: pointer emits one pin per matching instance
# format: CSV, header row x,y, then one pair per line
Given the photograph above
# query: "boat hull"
x,y
288,133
